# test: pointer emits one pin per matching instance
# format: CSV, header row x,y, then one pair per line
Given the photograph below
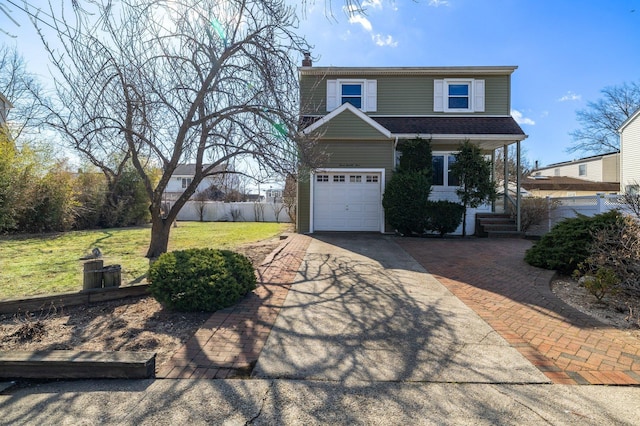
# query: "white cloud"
x,y
520,119
570,96
438,3
381,40
359,19
375,4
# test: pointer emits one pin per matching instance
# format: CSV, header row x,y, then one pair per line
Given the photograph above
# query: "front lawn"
x,y
50,263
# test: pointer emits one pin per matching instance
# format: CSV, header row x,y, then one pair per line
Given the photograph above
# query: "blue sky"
x,y
566,51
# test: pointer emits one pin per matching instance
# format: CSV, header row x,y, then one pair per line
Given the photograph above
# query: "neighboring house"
x,y
360,117
563,186
630,153
182,178
5,106
274,194
597,168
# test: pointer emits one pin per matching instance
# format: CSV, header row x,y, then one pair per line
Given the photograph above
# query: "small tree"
x,y
474,177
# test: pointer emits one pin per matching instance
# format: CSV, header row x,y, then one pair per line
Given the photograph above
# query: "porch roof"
x,y
452,126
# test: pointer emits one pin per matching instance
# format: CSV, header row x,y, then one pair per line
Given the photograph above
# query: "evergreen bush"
x,y
405,202
201,279
569,242
443,217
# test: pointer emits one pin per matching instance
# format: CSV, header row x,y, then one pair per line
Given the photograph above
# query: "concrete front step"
x,y
496,225
500,227
505,234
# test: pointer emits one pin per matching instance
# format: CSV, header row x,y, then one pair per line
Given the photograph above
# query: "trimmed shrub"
x,y
201,279
443,217
569,242
405,202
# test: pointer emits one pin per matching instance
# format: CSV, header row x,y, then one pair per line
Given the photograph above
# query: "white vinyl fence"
x,y
217,211
560,208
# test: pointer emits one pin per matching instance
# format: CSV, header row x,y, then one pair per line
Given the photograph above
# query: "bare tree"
x,y
601,120
23,90
169,82
525,164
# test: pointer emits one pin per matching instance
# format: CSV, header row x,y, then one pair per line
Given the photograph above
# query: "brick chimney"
x,y
306,62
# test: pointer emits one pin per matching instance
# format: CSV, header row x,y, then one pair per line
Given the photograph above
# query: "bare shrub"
x,y
534,211
614,259
258,211
277,209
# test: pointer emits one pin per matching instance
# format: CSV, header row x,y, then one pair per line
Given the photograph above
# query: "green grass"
x,y
50,264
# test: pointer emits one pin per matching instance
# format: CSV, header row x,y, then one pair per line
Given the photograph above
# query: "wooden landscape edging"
x,y
44,303
59,364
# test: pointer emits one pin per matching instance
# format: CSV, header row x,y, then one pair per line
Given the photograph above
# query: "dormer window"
x,y
458,95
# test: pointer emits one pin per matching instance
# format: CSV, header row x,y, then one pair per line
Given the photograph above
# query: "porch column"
x,y
518,197
505,160
493,176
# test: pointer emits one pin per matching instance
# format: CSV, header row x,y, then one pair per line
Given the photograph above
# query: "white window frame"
x,y
186,182
476,95
369,93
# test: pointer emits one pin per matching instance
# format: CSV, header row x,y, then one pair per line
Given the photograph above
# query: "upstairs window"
x,y
458,95
352,93
360,93
186,182
582,170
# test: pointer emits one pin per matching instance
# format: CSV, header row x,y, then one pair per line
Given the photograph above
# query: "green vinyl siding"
x,y
349,126
346,154
408,95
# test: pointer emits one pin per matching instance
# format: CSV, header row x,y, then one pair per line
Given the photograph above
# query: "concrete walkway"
x,y
491,277
360,309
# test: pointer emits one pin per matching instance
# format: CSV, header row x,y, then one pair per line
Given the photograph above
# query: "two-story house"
x,y
360,116
630,154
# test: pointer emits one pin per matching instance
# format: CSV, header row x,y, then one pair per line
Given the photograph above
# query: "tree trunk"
x,y
464,222
160,229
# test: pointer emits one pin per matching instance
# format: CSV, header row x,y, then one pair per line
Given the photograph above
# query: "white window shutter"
x,y
438,95
371,92
478,95
332,95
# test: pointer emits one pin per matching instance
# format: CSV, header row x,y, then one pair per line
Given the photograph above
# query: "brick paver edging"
x,y
491,277
228,344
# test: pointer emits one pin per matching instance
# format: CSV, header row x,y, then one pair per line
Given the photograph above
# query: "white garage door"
x,y
347,201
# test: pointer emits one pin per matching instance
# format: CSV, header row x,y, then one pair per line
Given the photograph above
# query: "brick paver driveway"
x,y
490,276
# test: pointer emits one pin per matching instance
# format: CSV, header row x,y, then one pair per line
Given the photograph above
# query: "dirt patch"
x,y
621,310
133,324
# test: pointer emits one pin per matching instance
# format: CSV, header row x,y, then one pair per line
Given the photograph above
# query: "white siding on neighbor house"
x,y
593,172
630,153
175,184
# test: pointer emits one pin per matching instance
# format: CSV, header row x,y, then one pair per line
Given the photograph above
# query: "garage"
x,y
347,201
